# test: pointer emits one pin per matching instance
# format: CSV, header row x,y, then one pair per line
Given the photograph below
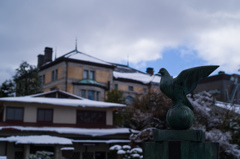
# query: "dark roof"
x,y
77,56
218,77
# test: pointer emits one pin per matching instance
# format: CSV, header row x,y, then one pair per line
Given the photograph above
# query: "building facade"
x,y
89,77
55,121
223,87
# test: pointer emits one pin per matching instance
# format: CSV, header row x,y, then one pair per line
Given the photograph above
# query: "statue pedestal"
x,y
179,144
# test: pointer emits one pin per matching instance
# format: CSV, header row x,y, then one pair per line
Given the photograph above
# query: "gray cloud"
x,y
115,30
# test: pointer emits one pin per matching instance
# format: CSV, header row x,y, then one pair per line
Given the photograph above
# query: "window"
x,y
116,86
91,94
144,90
56,74
129,99
83,93
86,117
89,75
97,96
45,115
14,114
92,75
43,79
85,74
100,155
53,76
40,80
130,88
1,112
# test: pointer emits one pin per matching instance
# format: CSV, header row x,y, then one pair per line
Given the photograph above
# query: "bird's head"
x,y
163,72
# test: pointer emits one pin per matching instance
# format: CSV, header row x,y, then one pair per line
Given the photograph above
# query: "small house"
x,y
57,121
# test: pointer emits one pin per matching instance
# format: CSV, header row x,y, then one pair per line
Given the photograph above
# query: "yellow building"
x,y
89,77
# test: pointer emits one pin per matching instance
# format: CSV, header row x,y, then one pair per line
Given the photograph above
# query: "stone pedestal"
x,y
180,144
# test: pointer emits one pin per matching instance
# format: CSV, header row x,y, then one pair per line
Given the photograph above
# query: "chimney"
x,y
40,60
150,70
221,72
48,54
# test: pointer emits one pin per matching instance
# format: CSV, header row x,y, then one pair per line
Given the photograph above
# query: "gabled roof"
x,y
58,92
77,55
68,102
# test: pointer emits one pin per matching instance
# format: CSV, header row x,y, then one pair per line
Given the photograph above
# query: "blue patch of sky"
x,y
175,60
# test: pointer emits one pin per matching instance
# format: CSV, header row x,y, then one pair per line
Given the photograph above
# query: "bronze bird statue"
x,y
180,115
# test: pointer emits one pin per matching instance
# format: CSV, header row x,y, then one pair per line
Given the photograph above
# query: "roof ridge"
x,y
53,91
75,52
92,56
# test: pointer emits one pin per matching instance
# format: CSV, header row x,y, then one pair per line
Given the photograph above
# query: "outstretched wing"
x,y
189,78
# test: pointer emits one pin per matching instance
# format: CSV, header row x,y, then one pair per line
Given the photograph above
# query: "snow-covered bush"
x,y
221,123
126,152
144,135
148,111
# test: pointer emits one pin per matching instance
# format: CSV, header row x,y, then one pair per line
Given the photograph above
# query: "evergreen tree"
x,y
27,80
7,89
115,96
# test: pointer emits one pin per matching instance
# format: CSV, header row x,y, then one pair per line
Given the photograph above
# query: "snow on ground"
x,y
69,130
62,102
37,139
144,78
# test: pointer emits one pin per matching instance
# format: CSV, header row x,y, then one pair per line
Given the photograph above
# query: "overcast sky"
x,y
150,33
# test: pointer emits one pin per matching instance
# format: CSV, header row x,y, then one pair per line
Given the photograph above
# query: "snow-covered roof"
x,y
62,102
102,141
69,130
37,139
77,55
137,76
67,148
55,91
228,106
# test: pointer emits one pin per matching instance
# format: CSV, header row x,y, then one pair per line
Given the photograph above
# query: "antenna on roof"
x,y
127,60
76,44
